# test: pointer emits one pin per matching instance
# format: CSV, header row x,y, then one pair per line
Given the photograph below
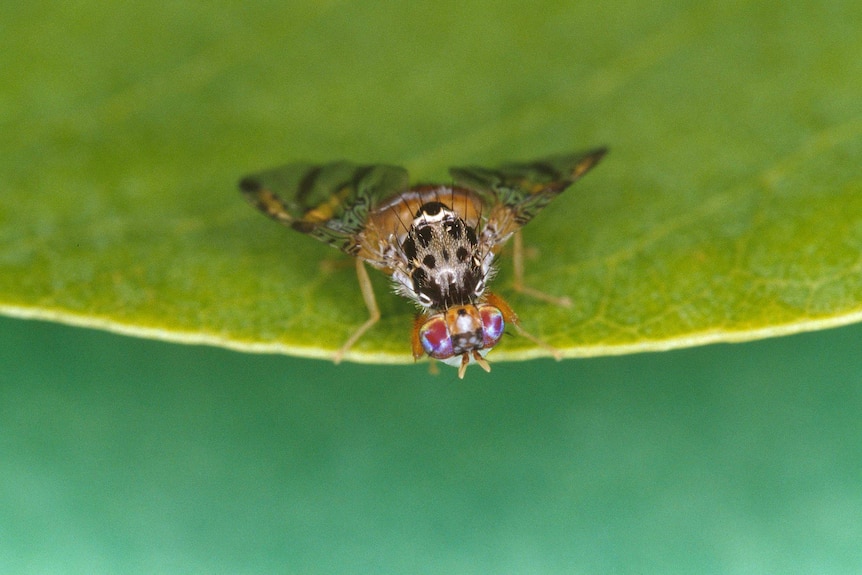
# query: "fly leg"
x,y
511,318
518,282
370,303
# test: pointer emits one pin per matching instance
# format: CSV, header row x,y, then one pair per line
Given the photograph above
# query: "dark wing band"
x,y
523,189
330,202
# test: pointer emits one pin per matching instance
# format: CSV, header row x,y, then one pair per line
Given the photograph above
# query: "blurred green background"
x,y
122,455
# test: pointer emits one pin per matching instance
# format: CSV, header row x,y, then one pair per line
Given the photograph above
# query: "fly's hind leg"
x,y
518,282
370,303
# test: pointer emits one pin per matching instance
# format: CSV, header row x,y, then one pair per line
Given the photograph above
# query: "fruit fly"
x,y
437,242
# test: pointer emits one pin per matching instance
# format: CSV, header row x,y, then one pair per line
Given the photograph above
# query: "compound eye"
x,y
435,338
493,325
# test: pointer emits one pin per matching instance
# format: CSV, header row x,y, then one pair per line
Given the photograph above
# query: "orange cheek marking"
x,y
418,350
508,314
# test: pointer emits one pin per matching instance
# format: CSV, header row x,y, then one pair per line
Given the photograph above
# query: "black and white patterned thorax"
x,y
445,264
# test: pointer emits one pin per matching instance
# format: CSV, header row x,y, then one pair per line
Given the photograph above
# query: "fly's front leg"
x,y
511,318
370,302
518,282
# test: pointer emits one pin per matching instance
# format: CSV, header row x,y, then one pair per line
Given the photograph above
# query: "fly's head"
x,y
460,335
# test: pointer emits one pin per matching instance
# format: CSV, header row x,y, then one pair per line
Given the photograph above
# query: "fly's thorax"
x,y
444,263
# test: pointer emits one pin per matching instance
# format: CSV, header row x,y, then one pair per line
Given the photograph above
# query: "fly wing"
x,y
330,202
514,193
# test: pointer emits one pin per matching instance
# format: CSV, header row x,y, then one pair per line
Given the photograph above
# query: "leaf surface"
x,y
728,208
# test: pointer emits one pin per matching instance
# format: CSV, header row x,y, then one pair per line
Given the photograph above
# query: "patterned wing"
x,y
330,202
516,192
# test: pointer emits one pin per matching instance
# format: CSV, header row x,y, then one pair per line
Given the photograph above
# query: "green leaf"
x,y
729,207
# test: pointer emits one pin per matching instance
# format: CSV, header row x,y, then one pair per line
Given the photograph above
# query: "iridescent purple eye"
x,y
435,339
492,325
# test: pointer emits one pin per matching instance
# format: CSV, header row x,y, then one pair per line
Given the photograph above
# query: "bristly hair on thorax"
x,y
444,263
